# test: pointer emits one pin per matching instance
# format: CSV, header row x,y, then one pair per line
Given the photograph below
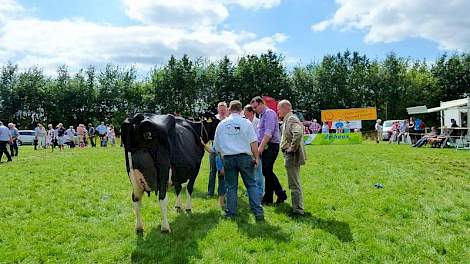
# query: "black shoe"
x,y
259,218
281,198
296,214
267,202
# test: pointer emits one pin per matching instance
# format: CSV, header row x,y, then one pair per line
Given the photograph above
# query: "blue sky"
x,y
146,32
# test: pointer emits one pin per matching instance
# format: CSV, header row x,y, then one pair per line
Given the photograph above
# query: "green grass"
x,y
75,207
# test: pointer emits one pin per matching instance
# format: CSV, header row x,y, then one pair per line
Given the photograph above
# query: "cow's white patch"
x,y
164,209
188,200
178,203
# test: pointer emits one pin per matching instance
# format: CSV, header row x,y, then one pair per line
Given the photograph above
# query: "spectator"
x,y
60,132
424,140
50,138
5,138
314,127
404,133
454,132
222,113
347,127
250,115
111,135
412,131
379,130
15,134
292,146
70,136
236,140
393,132
220,170
102,131
325,129
91,135
268,139
40,134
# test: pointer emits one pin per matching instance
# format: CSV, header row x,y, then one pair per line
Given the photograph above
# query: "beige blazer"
x,y
293,136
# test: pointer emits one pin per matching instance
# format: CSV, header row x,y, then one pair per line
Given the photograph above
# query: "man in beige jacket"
x,y
292,146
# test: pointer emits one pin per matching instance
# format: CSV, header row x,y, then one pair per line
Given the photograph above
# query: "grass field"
x,y
75,207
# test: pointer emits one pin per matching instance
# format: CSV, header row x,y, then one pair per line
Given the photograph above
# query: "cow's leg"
x,y
137,194
164,209
189,192
178,204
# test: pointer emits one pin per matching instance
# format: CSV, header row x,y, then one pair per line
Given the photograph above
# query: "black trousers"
x,y
92,141
3,149
272,184
14,148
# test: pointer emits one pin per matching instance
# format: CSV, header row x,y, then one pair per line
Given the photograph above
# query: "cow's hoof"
x,y
189,211
178,209
139,231
166,230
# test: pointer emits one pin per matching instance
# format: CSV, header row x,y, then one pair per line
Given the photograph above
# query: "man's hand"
x,y
255,162
260,149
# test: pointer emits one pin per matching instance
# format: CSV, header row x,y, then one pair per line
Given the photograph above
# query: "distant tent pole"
x,y
468,115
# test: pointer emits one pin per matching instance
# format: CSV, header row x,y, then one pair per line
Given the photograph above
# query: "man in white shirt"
x,y
5,138
250,115
236,140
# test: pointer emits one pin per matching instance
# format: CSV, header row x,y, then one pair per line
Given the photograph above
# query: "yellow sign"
x,y
351,114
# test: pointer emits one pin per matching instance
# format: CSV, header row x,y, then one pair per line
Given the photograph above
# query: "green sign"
x,y
333,139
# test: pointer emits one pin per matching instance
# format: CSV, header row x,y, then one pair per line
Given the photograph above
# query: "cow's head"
x,y
210,123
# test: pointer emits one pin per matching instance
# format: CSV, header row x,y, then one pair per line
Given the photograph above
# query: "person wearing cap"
x,y
15,134
292,146
236,141
5,138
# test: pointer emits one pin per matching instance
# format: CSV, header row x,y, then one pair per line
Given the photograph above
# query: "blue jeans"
x,y
242,164
213,172
260,179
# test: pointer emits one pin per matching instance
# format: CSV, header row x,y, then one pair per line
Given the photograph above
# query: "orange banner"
x,y
351,114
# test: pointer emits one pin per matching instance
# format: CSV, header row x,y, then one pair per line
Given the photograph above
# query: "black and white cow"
x,y
161,150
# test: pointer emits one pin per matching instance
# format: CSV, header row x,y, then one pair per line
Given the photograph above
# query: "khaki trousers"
x,y
293,178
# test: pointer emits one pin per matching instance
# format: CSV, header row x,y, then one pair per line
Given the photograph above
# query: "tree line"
x,y
193,86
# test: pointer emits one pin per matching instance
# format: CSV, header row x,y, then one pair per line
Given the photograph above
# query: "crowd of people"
x,y
250,146
58,137
410,131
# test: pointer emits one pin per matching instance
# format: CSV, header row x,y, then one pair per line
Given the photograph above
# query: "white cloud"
x,y
32,41
9,9
255,4
444,22
181,13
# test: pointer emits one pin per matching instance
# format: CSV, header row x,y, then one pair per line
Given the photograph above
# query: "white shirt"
x,y
378,127
234,135
255,124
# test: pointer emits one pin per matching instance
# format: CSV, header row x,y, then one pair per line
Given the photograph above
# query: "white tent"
x,y
448,110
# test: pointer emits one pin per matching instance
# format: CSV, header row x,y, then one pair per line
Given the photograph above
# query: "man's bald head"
x,y
285,103
283,108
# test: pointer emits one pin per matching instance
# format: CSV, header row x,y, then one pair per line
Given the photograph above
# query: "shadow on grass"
x,y
188,229
340,229
181,244
257,229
